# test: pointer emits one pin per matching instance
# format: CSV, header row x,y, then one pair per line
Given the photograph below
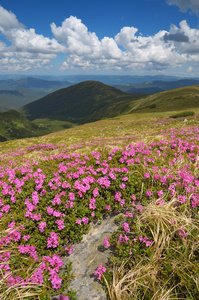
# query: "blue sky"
x,y
99,37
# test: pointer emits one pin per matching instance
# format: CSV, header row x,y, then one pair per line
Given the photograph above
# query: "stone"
x,y
86,257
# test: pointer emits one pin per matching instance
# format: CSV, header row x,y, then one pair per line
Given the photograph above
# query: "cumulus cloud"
x,y
176,37
27,48
125,50
8,20
184,5
28,40
188,43
77,39
83,49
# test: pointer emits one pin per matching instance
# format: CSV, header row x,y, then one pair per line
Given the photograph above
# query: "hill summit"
x,y
81,103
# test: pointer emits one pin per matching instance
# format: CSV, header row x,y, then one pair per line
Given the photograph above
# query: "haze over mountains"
x,y
17,92
107,79
157,86
84,102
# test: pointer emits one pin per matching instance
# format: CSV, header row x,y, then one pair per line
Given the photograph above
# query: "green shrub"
x,y
183,114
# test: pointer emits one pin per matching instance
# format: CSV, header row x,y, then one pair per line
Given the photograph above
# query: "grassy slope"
x,y
162,271
173,100
53,125
90,101
14,125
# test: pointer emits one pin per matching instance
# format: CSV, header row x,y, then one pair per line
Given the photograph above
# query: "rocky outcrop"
x,y
86,258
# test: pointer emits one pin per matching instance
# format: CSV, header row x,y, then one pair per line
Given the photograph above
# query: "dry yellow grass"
x,y
163,221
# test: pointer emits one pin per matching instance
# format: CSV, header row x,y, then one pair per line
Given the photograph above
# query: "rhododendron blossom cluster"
x,y
48,203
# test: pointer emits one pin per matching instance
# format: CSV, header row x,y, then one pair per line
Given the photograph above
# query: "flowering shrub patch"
x,y
46,206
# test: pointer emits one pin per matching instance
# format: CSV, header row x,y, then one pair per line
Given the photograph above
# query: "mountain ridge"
x,y
76,103
153,87
17,92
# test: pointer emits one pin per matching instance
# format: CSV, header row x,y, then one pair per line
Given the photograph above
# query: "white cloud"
x,y
190,70
8,20
83,49
184,5
126,49
27,49
78,40
190,44
28,40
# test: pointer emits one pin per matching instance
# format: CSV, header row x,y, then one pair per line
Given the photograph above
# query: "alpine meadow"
x,y
141,168
99,150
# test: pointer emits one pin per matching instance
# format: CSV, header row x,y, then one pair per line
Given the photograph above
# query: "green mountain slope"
x,y
14,125
172,100
81,103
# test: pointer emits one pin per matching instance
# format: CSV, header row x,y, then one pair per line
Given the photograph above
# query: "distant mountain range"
x,y
107,79
15,93
30,82
117,79
157,86
90,101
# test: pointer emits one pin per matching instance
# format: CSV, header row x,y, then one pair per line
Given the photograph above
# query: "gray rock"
x,y
86,258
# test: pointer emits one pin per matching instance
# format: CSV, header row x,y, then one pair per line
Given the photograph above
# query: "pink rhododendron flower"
x,y
85,220
42,225
95,192
26,237
139,208
78,221
63,297
50,210
122,186
160,193
182,232
92,203
126,227
5,208
128,214
100,271
53,240
123,239
133,197
146,175
37,276
106,242
60,224
71,196
160,202
149,193
35,198
70,250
